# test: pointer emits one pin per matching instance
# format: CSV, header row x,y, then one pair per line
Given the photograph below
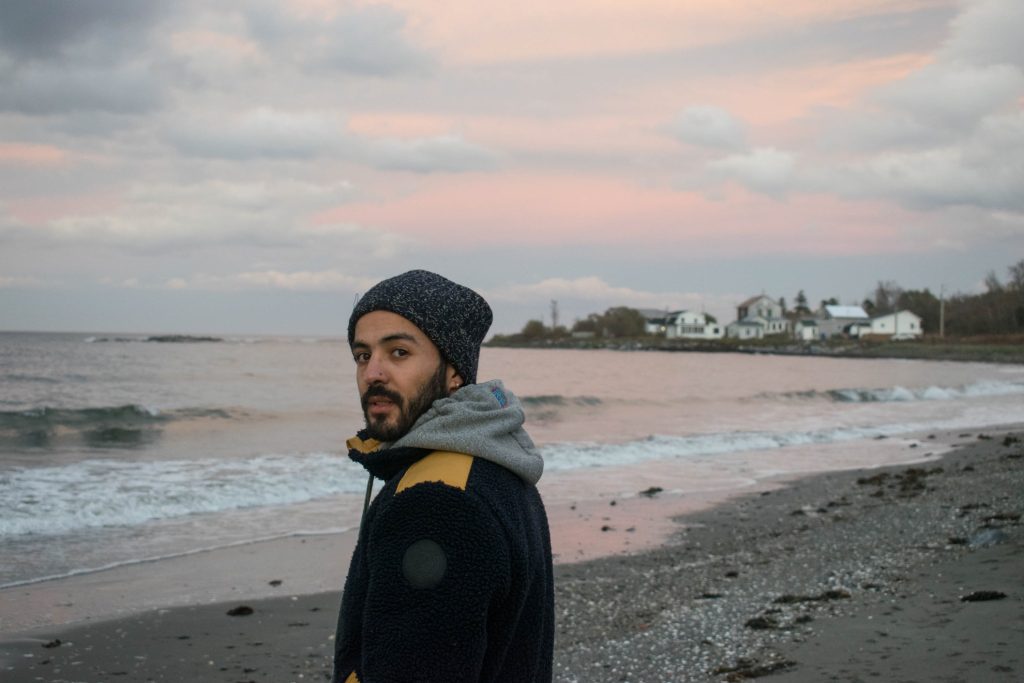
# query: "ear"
x,y
452,379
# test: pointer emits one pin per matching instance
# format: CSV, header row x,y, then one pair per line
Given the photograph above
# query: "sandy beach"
x,y
907,573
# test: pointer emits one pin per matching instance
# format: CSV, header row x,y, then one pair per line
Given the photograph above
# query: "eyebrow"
x,y
397,336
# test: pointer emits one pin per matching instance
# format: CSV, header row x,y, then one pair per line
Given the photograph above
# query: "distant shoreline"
x,y
987,350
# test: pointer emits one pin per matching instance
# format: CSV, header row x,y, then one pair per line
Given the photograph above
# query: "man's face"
x,y
399,373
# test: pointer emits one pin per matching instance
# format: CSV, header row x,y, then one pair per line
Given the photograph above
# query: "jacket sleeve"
x,y
439,566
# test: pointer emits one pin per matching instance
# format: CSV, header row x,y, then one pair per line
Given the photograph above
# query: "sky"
x,y
251,166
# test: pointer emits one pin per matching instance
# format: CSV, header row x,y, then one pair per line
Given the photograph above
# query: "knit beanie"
x,y
454,317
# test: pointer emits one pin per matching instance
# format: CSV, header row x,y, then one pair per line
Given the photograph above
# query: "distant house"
x,y
806,329
760,311
745,329
898,325
656,322
834,321
690,325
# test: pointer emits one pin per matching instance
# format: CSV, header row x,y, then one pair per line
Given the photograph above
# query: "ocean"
x,y
116,450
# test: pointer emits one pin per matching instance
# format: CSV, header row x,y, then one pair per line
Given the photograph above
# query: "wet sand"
x,y
849,576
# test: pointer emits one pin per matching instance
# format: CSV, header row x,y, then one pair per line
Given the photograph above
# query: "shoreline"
x,y
965,351
592,513
893,543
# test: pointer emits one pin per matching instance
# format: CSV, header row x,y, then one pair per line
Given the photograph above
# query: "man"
x,y
451,578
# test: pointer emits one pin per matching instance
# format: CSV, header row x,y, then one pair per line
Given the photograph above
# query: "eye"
x,y
399,353
361,357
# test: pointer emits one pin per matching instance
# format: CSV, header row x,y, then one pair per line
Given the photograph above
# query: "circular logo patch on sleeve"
x,y
424,564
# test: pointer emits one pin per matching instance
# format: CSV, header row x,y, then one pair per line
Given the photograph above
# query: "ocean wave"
x,y
900,394
557,400
124,425
569,456
113,493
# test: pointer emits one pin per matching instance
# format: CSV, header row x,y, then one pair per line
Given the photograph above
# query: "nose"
x,y
374,370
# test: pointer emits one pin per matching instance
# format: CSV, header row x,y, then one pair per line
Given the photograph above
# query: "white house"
x,y
898,325
806,329
762,312
745,329
690,325
655,321
837,320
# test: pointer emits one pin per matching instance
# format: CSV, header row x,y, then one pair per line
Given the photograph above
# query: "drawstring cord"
x,y
366,502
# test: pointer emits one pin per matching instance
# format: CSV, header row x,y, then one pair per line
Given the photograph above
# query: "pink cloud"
x,y
31,155
521,209
481,33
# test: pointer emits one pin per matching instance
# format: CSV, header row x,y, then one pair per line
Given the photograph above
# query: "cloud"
x,y
591,288
428,155
53,89
949,133
267,133
955,95
709,126
157,217
31,155
764,169
54,30
24,282
987,32
986,169
592,294
306,281
368,40
257,133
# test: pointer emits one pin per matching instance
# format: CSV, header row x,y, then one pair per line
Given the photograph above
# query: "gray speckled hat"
x,y
454,317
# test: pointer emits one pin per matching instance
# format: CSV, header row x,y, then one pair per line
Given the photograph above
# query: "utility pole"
x,y
554,315
942,311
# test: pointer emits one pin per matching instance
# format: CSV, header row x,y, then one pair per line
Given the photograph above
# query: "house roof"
x,y
846,312
656,315
891,315
753,299
747,323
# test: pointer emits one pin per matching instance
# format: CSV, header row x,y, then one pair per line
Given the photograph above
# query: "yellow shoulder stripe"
x,y
444,467
368,446
352,678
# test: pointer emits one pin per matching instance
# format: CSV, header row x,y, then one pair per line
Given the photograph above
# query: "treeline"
x,y
615,323
996,311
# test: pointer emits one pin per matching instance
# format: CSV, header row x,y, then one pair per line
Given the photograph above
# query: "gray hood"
x,y
483,420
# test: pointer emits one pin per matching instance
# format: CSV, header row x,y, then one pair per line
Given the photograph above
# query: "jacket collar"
x,y
382,463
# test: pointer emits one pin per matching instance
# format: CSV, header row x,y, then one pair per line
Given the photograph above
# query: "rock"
x,y
761,623
1003,517
983,596
834,594
275,582
876,480
240,611
746,669
52,644
986,538
652,491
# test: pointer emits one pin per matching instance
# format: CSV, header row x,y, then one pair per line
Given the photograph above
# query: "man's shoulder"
x,y
442,467
460,471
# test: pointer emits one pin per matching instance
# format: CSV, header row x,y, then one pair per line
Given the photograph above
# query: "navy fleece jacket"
x,y
451,579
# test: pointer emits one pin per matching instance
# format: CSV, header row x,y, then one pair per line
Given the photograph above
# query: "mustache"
x,y
384,392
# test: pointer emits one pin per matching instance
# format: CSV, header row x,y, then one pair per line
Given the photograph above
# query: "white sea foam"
x,y
569,456
102,493
900,394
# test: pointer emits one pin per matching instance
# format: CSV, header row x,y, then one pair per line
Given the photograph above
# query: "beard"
x,y
408,410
